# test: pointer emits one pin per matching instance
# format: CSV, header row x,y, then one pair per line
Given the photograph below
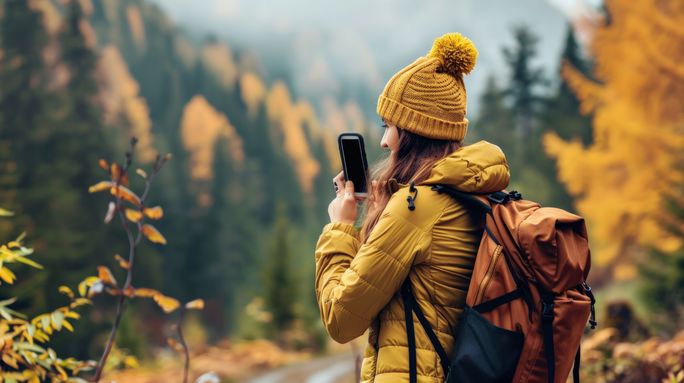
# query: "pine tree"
x,y
281,288
662,274
24,102
524,81
563,111
495,119
226,241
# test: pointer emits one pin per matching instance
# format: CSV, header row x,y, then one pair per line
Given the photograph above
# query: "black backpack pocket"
x,y
483,352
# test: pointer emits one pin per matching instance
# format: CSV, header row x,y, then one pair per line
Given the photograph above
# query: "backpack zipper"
x,y
488,275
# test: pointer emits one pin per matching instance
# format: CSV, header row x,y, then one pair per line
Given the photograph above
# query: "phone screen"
x,y
354,163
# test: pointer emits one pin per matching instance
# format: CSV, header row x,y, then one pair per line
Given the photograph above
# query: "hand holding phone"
x,y
354,162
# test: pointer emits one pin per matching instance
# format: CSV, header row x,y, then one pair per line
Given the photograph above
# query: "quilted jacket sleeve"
x,y
353,281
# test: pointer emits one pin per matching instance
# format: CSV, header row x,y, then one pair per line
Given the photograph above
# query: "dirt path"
x,y
332,369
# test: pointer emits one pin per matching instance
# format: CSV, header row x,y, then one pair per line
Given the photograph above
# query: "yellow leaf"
x,y
154,212
122,262
10,361
83,286
106,276
153,234
167,304
100,186
133,215
68,326
7,275
131,362
197,304
145,292
141,173
80,302
125,194
66,291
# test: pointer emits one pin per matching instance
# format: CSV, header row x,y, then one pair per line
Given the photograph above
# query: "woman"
x,y
409,231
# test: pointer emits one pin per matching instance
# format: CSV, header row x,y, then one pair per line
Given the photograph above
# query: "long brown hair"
x,y
412,161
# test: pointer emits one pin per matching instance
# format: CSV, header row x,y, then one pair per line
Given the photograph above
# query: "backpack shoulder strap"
x,y
411,306
471,200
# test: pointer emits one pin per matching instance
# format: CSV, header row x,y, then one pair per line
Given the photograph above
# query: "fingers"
x,y
339,181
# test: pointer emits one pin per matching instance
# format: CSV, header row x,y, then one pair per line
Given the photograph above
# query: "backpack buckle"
x,y
515,195
592,316
499,197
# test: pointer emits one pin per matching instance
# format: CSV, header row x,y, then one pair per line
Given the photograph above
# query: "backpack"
x,y
528,301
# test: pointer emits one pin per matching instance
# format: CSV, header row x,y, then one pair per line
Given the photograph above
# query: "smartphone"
x,y
354,163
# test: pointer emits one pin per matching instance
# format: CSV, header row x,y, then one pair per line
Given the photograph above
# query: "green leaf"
x,y
57,319
5,213
29,262
8,302
25,346
5,314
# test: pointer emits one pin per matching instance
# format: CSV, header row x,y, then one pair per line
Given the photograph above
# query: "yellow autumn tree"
x,y
123,105
201,127
137,26
252,91
620,181
218,60
285,114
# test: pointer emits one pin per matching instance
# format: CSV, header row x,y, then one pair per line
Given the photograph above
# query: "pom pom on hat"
x,y
456,52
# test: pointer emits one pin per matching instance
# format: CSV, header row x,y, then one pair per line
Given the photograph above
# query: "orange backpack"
x,y
528,301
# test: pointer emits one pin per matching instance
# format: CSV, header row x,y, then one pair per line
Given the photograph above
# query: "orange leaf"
x,y
106,276
153,234
103,164
197,304
146,293
133,215
174,344
154,212
125,194
100,186
122,262
115,171
167,304
129,291
118,174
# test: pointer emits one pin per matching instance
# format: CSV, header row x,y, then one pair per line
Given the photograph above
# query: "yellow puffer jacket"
x,y
358,286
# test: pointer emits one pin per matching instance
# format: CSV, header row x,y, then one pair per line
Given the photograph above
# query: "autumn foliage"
x,y
131,209
621,179
24,350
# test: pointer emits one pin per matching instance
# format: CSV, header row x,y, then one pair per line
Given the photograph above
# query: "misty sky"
x,y
328,43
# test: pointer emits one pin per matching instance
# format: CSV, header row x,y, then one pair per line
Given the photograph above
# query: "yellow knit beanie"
x,y
428,97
